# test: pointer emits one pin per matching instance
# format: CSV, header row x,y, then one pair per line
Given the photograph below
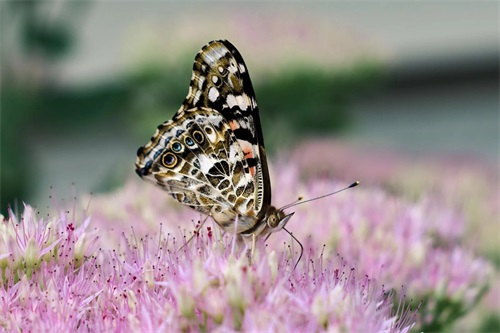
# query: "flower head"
x,y
154,283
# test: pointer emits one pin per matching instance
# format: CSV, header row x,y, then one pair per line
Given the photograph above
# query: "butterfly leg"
x,y
254,239
250,247
235,235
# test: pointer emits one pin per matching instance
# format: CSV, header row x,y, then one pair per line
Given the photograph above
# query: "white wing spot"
x,y
233,154
242,68
233,67
231,100
239,100
221,69
213,93
205,163
215,79
242,102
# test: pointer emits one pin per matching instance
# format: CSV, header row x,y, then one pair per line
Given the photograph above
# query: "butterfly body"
x,y
211,155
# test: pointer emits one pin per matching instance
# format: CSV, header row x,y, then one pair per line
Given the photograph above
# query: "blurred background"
x,y
84,84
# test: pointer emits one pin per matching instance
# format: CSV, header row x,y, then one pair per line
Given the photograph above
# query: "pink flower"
x,y
155,283
417,244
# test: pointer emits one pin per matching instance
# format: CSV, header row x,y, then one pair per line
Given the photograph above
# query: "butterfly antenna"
x,y
300,202
301,249
299,199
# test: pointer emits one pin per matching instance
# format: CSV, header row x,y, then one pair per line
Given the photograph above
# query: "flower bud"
x,y
31,253
186,303
147,270
80,248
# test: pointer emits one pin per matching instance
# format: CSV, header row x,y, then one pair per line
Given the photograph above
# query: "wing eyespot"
x,y
188,141
208,130
169,160
198,137
176,146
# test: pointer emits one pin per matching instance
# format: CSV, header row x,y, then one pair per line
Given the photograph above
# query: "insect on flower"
x,y
211,155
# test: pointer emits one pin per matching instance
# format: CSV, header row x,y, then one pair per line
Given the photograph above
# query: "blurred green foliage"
x,y
14,166
445,313
34,36
491,323
312,101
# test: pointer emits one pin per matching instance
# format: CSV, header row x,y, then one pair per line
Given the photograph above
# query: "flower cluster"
x,y
416,244
158,283
452,206
457,184
33,242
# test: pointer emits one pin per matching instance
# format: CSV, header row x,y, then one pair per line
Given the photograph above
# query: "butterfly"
x,y
211,155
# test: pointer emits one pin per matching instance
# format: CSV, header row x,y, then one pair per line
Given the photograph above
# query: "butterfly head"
x,y
275,219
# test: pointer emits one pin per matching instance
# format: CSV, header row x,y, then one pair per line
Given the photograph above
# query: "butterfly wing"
x,y
220,81
211,155
197,159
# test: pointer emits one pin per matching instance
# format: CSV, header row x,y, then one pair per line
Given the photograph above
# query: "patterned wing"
x,y
220,81
197,159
